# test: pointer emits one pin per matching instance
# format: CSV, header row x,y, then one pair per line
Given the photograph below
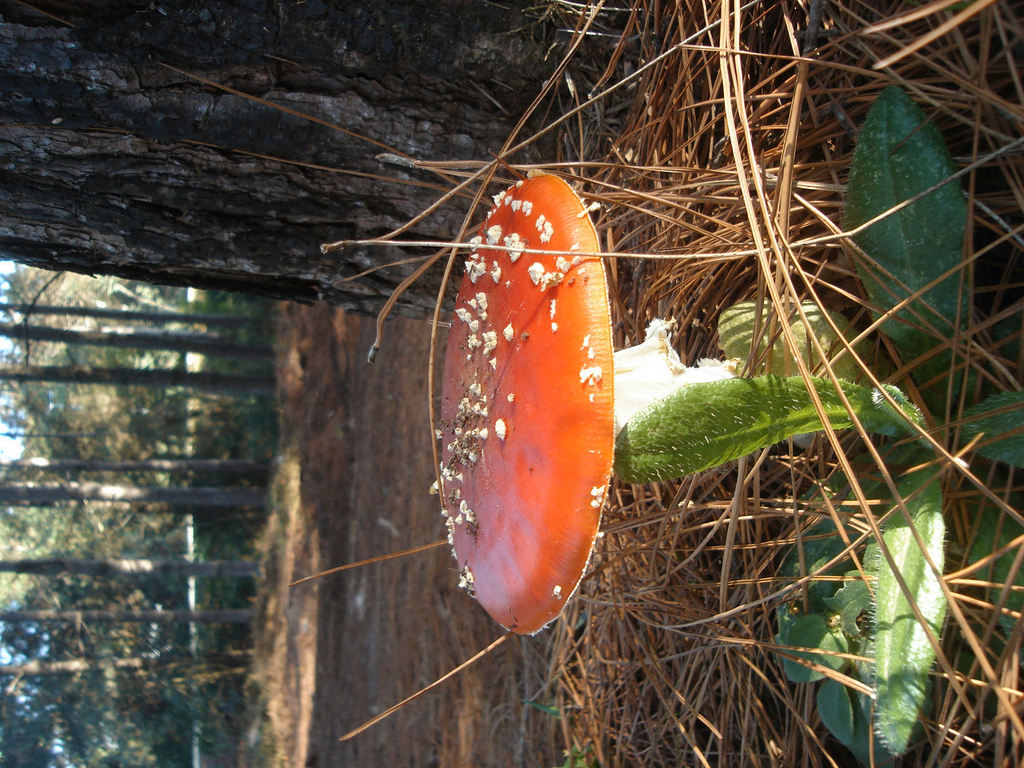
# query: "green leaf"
x,y
579,758
865,745
812,631
737,324
819,544
899,155
808,621
995,418
546,709
850,602
836,710
707,424
996,530
903,653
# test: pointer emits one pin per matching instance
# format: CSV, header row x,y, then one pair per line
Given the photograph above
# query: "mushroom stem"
x,y
651,371
715,417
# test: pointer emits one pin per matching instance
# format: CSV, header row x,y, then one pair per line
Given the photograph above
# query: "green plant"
x,y
904,645
900,184
579,758
867,614
880,623
739,323
706,424
832,613
703,425
903,182
914,252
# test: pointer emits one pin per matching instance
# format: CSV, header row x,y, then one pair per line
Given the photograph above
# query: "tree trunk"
x,y
112,163
128,338
221,466
226,616
57,566
130,315
52,435
141,377
47,494
39,667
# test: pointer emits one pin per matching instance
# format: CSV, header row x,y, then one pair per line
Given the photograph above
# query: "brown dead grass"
x,y
729,165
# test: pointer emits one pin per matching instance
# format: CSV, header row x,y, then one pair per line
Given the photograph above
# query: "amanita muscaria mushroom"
x,y
536,408
527,413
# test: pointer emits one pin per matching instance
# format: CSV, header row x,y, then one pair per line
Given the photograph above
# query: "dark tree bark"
x,y
226,660
57,566
127,338
220,466
111,163
238,384
130,316
47,494
226,616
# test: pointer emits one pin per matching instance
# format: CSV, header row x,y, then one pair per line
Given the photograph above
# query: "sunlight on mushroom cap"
x,y
527,422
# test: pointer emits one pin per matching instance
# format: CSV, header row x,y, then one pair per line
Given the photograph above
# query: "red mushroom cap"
x,y
527,411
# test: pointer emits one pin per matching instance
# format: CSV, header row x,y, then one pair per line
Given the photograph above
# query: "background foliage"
x,y
141,716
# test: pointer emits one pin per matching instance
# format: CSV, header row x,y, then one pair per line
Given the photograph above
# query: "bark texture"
x,y
112,163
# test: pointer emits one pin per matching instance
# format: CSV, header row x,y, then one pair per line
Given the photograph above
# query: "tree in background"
x,y
122,157
119,689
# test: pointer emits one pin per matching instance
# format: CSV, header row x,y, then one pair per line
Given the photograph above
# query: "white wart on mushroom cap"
x,y
527,413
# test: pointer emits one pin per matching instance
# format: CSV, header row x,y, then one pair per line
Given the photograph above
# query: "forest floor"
x,y
351,483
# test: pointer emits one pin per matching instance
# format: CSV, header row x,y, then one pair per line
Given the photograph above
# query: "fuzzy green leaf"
x,y
804,620
707,424
548,709
903,653
850,602
736,327
836,710
847,714
996,530
865,744
899,155
1000,418
812,631
819,544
